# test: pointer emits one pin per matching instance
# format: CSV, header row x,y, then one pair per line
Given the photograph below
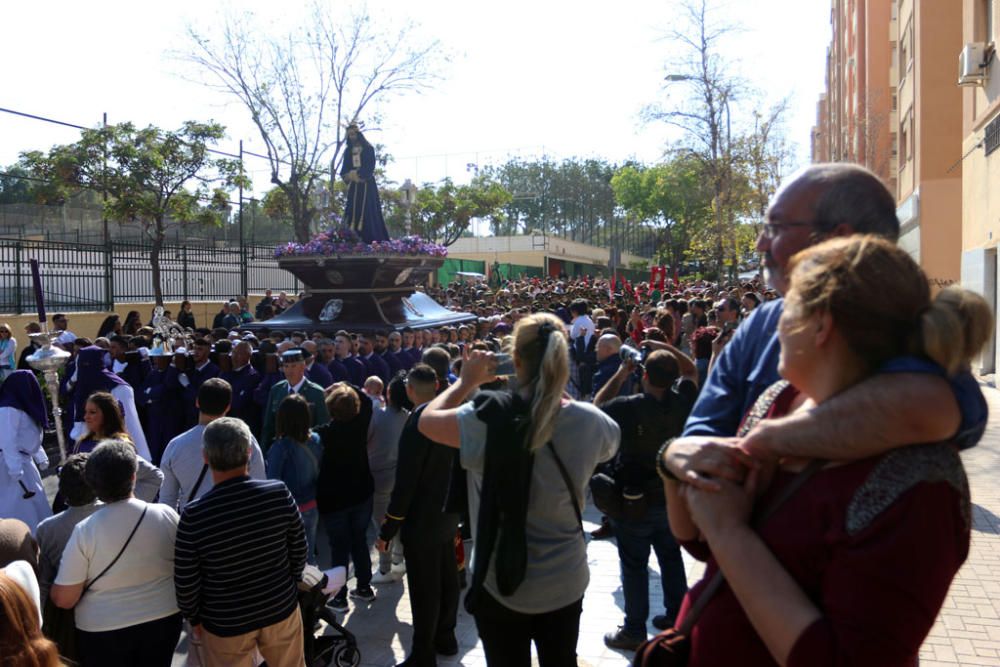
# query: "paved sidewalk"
x,y
967,632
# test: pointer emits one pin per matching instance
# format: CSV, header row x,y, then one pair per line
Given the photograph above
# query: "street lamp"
x,y
409,192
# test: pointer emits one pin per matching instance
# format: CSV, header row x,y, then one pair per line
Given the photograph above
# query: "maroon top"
x,y
874,544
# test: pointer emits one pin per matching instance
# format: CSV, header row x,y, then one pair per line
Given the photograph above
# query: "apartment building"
x,y
979,78
892,105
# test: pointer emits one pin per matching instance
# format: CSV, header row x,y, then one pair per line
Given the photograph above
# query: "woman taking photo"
x,y
854,566
102,418
117,571
530,569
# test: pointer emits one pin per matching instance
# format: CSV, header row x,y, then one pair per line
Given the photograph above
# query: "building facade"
x,y
980,119
892,105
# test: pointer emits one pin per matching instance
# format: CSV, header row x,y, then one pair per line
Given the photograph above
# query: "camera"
x,y
629,353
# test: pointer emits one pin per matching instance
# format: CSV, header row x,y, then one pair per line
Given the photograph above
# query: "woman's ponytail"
x,y
955,327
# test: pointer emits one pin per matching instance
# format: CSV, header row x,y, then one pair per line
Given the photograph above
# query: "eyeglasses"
x,y
772,229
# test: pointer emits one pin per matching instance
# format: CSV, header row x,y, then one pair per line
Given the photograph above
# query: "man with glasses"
x,y
884,411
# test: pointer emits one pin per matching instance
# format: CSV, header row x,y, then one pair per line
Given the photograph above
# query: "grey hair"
x,y
226,443
850,195
110,470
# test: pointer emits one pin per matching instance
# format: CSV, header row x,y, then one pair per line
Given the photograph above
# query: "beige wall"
x,y
981,174
938,139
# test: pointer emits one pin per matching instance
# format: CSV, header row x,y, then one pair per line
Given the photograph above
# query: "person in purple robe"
x,y
363,210
165,418
23,420
244,379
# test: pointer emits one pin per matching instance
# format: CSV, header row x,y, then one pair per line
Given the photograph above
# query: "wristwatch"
x,y
661,467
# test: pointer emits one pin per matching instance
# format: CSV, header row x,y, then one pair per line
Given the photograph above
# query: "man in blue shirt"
x,y
885,411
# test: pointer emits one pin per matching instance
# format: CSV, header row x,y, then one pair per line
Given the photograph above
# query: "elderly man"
x,y
239,555
608,349
884,411
293,365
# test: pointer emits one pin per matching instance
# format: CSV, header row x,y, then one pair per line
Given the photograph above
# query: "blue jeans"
x,y
310,520
634,540
346,530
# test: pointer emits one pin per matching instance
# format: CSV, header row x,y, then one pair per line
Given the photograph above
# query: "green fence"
x,y
446,273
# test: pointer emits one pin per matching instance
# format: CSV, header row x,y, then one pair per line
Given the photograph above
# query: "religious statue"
x,y
363,212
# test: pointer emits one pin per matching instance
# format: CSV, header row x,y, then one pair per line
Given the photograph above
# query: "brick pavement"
x,y
966,633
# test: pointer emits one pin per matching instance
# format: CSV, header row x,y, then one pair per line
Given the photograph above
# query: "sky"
x,y
526,79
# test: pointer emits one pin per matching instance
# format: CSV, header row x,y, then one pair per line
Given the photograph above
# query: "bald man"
x,y
608,349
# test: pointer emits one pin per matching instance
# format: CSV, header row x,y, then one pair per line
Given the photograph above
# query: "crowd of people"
x,y
775,429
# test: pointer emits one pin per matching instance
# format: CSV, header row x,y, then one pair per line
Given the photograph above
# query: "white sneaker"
x,y
399,568
389,577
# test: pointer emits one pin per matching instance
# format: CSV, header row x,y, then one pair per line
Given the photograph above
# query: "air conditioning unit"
x,y
971,65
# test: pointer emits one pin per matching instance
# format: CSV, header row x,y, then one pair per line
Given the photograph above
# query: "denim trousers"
x,y
634,541
310,521
346,530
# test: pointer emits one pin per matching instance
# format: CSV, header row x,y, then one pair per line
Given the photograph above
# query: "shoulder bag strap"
x,y
569,485
124,547
197,484
716,582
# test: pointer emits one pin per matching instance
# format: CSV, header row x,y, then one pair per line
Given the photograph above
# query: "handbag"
x,y
672,647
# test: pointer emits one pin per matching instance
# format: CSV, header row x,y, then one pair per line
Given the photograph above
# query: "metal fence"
x,y
81,277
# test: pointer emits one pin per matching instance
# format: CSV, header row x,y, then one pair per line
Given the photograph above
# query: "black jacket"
x,y
429,483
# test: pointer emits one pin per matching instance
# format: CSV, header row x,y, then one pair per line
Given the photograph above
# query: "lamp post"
x,y
409,191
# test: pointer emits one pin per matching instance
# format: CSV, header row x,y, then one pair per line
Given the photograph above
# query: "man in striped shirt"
x,y
239,555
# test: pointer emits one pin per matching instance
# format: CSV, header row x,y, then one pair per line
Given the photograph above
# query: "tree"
x,y
445,211
302,88
671,196
704,115
16,186
152,177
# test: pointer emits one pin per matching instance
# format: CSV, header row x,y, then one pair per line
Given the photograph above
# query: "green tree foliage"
x,y
153,178
16,186
444,211
672,197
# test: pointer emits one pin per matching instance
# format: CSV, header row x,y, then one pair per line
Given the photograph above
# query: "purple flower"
x,y
338,240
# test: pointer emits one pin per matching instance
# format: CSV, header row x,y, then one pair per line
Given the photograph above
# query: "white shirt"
x,y
582,326
140,587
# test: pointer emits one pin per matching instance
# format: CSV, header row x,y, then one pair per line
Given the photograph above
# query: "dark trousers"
x,y
148,644
432,581
634,541
346,530
507,634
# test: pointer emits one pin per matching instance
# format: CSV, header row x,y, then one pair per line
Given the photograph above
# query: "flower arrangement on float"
x,y
337,240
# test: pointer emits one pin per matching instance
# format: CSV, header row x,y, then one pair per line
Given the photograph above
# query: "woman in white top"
x,y
530,456
117,571
8,351
23,419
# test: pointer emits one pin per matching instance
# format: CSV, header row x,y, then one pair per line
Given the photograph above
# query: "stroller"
x,y
336,646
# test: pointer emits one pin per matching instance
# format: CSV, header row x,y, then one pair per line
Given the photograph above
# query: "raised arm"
x,y
439,420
